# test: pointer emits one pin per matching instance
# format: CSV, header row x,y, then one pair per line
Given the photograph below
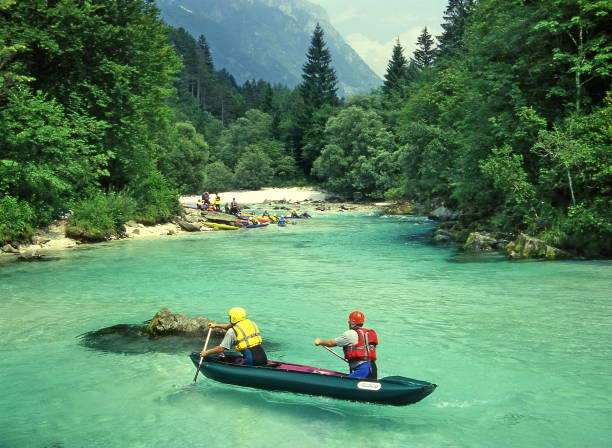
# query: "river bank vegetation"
x,y
110,114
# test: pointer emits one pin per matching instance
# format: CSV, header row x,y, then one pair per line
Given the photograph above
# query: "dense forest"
x,y
107,114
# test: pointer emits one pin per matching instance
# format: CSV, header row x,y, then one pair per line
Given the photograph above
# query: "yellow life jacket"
x,y
217,200
247,335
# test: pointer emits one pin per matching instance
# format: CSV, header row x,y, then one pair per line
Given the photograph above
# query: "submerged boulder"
x,y
166,323
526,246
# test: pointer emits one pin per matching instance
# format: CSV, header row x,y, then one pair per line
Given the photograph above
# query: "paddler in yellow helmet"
x,y
243,335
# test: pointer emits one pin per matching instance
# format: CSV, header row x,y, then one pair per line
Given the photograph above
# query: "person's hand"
x,y
203,353
211,325
317,341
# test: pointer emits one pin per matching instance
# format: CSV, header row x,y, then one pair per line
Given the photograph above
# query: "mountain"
x,y
268,39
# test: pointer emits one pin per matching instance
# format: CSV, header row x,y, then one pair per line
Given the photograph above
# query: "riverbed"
x,y
520,350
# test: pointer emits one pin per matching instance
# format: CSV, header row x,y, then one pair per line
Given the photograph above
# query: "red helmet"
x,y
356,318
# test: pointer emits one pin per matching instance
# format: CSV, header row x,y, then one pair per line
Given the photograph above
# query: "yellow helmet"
x,y
236,314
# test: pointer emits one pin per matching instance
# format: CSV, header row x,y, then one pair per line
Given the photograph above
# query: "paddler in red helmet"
x,y
359,345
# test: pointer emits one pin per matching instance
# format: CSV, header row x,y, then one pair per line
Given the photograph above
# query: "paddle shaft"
x,y
195,378
331,351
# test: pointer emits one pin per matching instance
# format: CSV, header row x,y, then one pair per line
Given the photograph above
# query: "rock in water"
x,y
165,323
526,246
480,242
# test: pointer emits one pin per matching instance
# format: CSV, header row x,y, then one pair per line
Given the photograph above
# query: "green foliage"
x,y
218,177
157,201
16,219
254,128
357,156
424,55
505,170
253,170
183,163
48,155
100,217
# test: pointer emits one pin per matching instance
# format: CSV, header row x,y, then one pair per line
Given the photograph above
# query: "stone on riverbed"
x,y
166,323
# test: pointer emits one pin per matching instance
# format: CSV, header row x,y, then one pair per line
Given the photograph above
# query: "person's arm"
x,y
212,351
214,325
325,342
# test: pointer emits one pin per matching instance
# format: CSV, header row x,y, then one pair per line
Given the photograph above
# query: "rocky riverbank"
x,y
48,242
474,240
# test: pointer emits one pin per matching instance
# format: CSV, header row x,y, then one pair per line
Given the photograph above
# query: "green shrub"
x,y
157,201
15,220
100,217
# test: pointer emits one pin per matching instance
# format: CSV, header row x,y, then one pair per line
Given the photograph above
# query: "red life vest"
x,y
365,349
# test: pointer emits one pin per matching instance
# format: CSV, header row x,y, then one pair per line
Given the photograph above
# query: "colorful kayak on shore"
x,y
296,378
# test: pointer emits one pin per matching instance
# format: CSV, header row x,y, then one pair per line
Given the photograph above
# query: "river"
x,y
521,351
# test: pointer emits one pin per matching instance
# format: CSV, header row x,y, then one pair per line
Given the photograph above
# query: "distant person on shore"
x,y
234,207
359,345
217,202
206,198
227,209
199,204
243,335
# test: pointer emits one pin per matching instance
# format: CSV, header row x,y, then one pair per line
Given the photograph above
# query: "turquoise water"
x,y
520,350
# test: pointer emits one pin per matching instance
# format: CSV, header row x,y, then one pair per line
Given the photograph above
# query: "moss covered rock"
x,y
400,208
525,247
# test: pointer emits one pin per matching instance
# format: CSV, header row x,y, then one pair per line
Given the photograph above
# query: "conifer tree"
x,y
208,60
397,71
424,55
320,82
455,18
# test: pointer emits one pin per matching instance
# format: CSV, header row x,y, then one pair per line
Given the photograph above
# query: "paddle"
x,y
331,351
195,378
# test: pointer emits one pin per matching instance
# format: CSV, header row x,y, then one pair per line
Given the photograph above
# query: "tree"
x,y
424,55
253,170
318,89
319,84
583,47
208,60
183,164
357,156
397,71
451,41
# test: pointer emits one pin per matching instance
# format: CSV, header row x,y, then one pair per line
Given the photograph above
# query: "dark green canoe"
x,y
281,376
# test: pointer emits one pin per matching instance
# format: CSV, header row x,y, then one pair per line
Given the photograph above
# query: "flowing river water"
x,y
521,351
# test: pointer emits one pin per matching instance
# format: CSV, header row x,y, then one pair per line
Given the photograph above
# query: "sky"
x,y
372,27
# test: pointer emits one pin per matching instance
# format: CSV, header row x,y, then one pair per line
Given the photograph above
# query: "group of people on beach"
x,y
358,343
204,204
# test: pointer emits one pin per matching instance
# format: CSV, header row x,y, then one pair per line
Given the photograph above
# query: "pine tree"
x,y
320,82
317,90
424,55
208,60
267,101
397,71
455,18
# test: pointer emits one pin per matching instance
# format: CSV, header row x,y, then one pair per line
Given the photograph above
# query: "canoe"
x,y
215,225
296,378
261,224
